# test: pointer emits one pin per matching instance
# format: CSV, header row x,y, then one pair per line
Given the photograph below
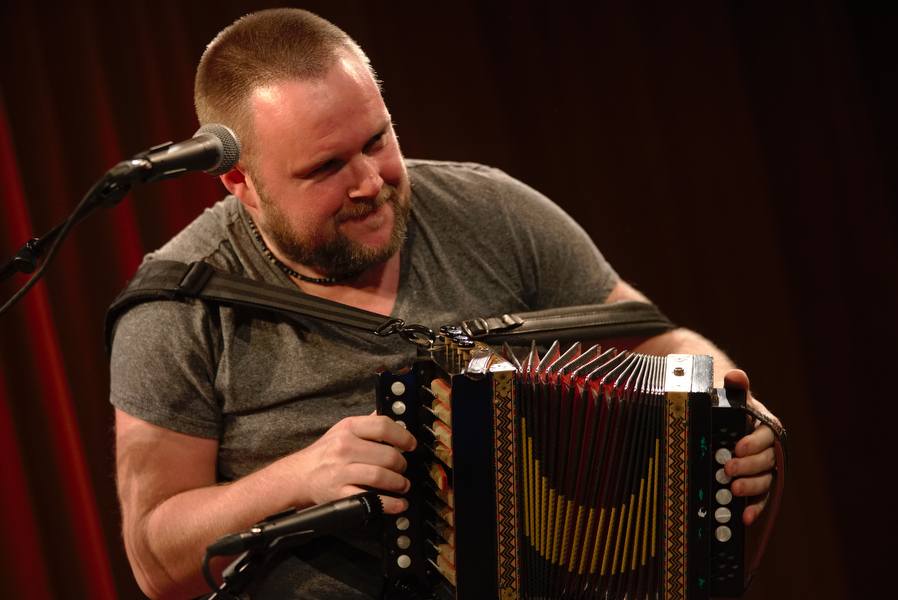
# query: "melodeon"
x,y
575,474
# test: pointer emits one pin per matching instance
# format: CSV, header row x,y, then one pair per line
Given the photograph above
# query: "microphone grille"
x,y
230,146
373,504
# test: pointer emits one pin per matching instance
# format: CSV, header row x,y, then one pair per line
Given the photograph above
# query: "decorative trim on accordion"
x,y
506,489
676,504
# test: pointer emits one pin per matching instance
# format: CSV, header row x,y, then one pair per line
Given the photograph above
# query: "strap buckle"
x,y
480,327
195,279
419,335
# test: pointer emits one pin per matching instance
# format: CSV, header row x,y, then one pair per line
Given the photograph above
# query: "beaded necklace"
x,y
285,268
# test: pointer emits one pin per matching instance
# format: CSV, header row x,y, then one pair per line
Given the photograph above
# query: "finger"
x,y
753,511
369,477
392,506
756,442
752,486
378,478
760,407
736,378
380,455
345,448
382,429
739,379
754,464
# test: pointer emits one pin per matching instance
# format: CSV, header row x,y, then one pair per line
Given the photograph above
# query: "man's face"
x,y
331,187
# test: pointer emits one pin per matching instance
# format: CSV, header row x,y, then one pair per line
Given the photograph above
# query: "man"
x,y
224,417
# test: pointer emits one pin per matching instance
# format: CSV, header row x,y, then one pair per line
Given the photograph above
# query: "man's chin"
x,y
374,230
354,245
368,248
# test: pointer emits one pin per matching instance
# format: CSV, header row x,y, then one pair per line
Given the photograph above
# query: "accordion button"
x,y
722,456
398,388
722,477
723,496
723,533
404,561
402,523
403,541
722,515
398,407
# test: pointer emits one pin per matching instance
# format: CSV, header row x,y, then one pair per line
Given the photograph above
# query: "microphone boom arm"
x,y
214,148
108,191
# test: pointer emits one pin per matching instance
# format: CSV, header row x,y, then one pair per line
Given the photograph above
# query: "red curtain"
x,y
735,161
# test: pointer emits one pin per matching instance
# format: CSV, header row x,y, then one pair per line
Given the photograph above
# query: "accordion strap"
x,y
592,321
172,280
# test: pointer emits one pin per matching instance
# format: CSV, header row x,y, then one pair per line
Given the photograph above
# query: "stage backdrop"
x,y
733,160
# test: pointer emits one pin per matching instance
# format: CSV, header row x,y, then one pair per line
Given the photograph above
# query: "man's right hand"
x,y
356,454
173,507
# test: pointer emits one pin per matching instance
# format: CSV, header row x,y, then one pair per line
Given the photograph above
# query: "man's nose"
x,y
367,181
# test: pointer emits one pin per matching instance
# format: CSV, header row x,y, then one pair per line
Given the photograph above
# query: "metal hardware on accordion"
x,y
575,474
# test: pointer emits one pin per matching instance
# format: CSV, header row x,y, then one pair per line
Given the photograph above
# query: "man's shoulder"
x,y
210,238
467,184
473,188
447,169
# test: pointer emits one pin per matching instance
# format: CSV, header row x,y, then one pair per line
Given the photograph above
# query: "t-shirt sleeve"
x,y
163,366
560,262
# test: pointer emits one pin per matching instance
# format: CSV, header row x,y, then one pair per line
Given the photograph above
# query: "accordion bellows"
x,y
571,474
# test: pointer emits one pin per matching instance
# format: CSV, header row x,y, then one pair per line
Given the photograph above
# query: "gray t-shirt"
x,y
479,243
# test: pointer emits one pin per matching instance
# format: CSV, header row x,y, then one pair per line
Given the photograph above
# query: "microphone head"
x,y
373,505
230,146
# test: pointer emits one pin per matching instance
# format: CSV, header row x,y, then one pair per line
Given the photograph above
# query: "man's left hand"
x,y
752,466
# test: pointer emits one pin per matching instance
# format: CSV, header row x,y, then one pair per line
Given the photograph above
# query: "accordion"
x,y
571,474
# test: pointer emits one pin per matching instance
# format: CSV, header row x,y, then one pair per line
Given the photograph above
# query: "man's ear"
x,y
238,183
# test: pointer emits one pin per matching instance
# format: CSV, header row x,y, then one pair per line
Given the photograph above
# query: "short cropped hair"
x,y
260,49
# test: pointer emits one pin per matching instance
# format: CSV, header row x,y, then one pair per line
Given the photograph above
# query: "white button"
x,y
398,407
723,496
403,541
722,456
722,477
723,533
402,523
404,561
722,515
398,388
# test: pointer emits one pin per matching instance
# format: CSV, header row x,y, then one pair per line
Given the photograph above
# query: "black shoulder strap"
x,y
593,321
172,280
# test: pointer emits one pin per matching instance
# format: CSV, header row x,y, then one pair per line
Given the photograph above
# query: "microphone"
x,y
346,513
214,149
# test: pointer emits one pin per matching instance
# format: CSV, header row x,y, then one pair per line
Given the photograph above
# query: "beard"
x,y
331,253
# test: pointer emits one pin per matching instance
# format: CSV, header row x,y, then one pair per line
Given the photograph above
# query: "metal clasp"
x,y
419,335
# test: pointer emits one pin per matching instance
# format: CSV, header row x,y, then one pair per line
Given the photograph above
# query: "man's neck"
x,y
374,290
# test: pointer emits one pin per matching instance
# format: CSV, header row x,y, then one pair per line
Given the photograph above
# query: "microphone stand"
x,y
211,141
286,529
108,191
240,573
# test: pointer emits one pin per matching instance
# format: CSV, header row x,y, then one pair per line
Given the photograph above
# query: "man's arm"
x,y
677,341
754,456
172,507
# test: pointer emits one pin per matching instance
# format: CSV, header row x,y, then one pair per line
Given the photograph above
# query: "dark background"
x,y
734,160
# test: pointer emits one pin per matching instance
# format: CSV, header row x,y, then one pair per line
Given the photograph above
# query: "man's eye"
x,y
328,167
375,143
